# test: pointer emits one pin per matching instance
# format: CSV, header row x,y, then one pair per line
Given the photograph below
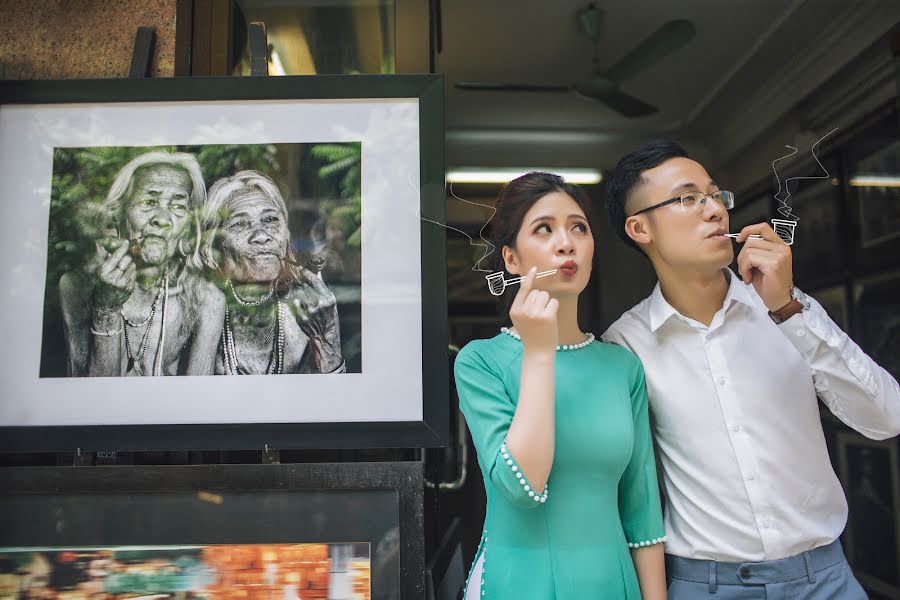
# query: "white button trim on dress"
x,y
564,347
654,541
526,487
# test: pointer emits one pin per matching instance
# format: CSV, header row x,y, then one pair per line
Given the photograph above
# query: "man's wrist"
x,y
786,312
797,303
783,304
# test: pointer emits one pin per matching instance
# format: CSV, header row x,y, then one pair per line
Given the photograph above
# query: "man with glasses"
x,y
733,368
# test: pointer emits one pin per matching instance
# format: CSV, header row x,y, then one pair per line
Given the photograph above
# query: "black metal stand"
x,y
259,50
144,41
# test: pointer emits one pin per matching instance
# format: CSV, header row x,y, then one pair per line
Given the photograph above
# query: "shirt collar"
x,y
661,310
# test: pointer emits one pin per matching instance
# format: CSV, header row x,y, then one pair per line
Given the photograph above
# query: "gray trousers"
x,y
820,574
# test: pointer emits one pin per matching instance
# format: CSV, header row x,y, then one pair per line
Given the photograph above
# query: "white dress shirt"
x,y
745,467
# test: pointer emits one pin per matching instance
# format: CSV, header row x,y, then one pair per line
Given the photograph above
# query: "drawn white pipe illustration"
x,y
497,285
785,229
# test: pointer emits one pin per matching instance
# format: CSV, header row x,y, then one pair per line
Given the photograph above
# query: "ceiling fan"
x,y
603,86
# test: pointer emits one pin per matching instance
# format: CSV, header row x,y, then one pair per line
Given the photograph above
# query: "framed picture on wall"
x,y
223,263
870,474
276,531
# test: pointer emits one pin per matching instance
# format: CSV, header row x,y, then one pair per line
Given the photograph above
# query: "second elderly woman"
x,y
280,317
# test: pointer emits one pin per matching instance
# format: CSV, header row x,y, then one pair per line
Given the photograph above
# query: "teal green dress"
x,y
602,498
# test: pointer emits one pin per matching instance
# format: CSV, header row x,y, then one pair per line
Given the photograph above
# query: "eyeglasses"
x,y
693,201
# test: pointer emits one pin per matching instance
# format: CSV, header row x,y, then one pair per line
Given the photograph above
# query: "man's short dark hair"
x,y
627,176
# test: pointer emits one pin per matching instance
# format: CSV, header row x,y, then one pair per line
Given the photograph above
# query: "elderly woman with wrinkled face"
x,y
279,317
141,307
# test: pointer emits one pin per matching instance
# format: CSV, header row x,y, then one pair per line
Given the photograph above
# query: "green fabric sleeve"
x,y
489,412
639,503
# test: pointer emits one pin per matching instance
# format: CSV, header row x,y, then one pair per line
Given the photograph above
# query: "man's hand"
x,y
767,264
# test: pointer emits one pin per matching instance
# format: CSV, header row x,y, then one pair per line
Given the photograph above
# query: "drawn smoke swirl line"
x,y
488,247
785,209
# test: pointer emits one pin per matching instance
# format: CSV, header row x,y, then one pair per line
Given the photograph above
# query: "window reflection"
x,y
308,37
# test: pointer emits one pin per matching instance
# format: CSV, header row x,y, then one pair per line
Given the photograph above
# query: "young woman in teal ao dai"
x,y
559,422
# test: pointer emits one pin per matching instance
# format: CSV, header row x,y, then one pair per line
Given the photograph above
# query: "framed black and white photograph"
x,y
327,531
193,255
872,537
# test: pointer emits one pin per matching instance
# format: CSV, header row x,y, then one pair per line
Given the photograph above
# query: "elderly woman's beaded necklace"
x,y
243,302
134,359
229,349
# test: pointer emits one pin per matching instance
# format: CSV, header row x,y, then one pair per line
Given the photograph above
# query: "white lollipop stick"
x,y
497,285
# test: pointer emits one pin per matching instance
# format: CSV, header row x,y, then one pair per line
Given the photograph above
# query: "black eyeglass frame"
x,y
680,199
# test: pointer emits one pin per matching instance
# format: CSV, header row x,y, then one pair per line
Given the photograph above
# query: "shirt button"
x,y
750,476
735,428
801,332
745,573
721,381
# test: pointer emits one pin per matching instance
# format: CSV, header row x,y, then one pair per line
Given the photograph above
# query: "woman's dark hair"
x,y
627,176
515,200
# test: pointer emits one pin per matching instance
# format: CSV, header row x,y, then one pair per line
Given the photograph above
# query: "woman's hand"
x,y
315,308
115,275
534,315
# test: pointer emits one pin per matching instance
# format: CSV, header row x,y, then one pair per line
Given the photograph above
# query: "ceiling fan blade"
x,y
627,106
656,46
495,86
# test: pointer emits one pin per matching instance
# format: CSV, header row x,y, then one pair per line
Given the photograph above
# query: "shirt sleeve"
x,y
854,387
489,412
639,503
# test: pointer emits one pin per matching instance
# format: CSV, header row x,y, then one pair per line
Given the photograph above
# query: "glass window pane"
x,y
308,37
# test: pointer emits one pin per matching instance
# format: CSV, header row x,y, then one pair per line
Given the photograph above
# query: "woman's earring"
x,y
181,249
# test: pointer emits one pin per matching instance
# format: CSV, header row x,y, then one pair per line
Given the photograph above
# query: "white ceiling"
x,y
750,63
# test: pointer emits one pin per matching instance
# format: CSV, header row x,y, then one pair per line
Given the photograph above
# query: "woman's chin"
x,y
262,269
566,289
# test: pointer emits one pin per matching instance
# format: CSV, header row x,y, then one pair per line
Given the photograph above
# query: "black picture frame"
x,y
432,429
375,503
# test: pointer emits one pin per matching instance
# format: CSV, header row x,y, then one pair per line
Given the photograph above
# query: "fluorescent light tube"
x,y
505,174
864,180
